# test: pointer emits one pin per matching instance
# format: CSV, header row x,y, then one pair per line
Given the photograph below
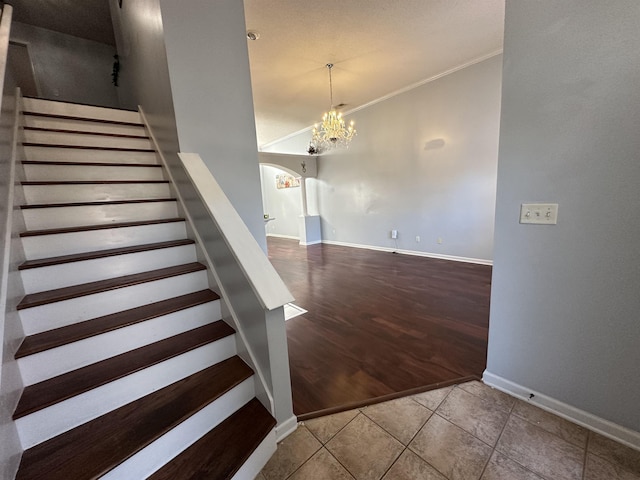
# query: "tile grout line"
x,y
324,445
332,436
392,435
612,461
339,462
547,431
394,462
493,449
404,447
511,413
472,434
305,462
435,412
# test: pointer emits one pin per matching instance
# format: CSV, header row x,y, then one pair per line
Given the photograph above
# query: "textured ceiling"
x,y
377,46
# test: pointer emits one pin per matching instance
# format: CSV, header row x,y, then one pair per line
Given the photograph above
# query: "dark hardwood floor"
x,y
379,324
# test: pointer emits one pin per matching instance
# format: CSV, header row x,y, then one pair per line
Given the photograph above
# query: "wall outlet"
x,y
439,240
394,234
417,238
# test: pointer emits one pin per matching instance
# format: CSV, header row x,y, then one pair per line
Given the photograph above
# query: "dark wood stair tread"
x,y
92,182
86,147
48,392
90,164
90,204
83,119
96,326
94,448
66,293
102,226
112,252
83,132
220,453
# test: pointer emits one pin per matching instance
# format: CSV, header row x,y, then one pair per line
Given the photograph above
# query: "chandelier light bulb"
x,y
333,132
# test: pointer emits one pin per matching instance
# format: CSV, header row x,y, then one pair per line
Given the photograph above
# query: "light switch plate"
x,y
539,213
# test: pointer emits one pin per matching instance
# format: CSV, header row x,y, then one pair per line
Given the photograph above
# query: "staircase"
x,y
129,370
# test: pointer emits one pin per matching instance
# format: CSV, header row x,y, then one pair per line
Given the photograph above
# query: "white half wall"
x,y
565,299
424,163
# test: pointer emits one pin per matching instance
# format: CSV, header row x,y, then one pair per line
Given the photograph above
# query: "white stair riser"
x,y
62,217
85,140
73,273
96,192
45,246
258,459
79,111
82,155
174,442
54,123
54,173
56,419
56,361
58,314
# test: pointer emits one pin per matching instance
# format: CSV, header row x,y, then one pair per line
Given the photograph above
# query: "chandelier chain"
x,y
330,66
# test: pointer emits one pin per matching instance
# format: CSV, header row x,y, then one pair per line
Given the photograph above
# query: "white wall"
x,y
424,162
565,299
68,68
285,205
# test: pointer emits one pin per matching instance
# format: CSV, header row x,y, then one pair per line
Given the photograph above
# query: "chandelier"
x,y
333,132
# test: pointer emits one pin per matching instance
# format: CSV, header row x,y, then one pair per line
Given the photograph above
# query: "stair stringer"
x,y
11,287
287,422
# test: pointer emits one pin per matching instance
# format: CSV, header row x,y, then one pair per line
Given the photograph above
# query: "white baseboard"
x,y
304,244
604,427
286,428
453,258
278,235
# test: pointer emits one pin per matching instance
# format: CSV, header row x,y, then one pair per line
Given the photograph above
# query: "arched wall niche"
x,y
299,165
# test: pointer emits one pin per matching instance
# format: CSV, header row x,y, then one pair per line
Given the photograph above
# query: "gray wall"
x,y
424,162
209,69
68,68
565,303
144,74
187,64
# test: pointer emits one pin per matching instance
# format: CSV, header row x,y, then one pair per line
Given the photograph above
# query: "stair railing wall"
x,y
11,255
253,293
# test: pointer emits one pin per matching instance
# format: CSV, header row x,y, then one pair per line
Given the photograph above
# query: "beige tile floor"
x,y
466,432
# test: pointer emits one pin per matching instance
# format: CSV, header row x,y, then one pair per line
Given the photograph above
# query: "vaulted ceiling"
x,y
378,47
